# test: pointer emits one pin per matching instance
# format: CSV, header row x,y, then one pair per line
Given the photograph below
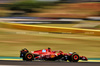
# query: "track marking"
x,y
90,61
12,59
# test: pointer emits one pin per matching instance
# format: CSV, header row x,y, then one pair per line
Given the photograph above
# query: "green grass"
x,y
90,21
12,41
98,27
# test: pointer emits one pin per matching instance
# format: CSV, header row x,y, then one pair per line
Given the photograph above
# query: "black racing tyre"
x,y
29,57
74,57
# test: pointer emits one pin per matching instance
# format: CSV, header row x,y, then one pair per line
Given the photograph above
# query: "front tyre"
x,y
29,57
74,58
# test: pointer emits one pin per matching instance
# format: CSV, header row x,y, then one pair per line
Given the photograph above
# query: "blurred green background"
x,y
13,40
48,8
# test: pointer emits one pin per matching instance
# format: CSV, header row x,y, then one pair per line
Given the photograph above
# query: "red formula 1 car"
x,y
47,54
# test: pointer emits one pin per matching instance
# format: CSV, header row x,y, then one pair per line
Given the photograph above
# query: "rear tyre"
x,y
29,57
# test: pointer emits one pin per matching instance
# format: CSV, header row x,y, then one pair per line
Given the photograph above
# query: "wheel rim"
x,y
75,57
29,56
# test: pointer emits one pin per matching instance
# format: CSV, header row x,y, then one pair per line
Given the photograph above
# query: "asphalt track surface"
x,y
48,63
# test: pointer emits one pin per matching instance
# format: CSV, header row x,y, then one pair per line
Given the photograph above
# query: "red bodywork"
x,y
48,54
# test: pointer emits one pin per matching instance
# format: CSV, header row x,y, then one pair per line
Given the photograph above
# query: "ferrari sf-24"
x,y
47,54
